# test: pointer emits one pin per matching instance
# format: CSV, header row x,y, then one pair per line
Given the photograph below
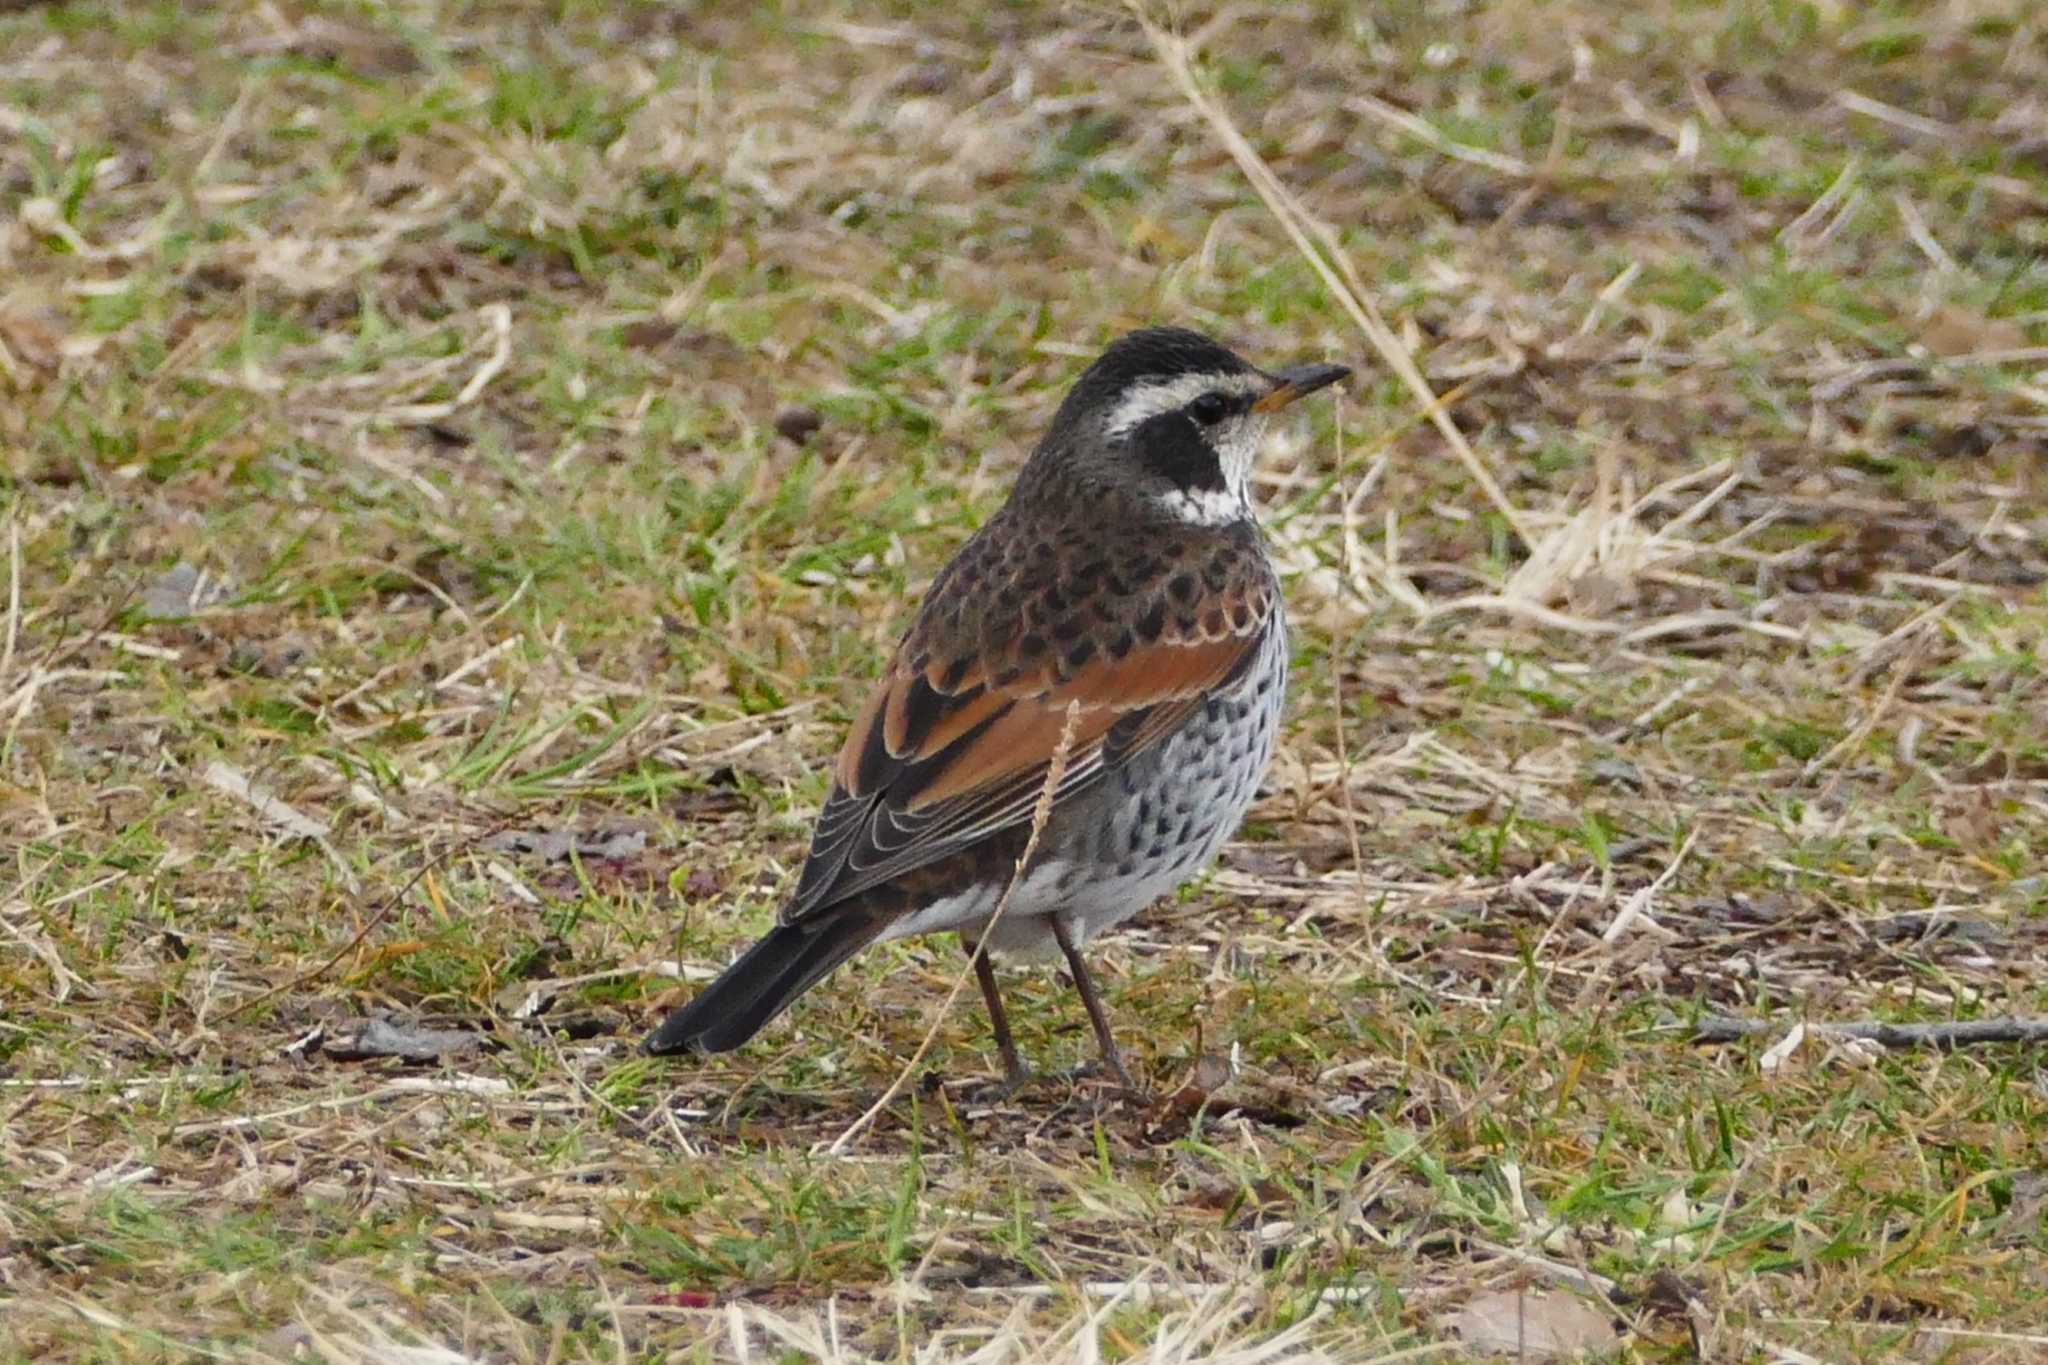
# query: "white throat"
x,y
1207,506
1237,443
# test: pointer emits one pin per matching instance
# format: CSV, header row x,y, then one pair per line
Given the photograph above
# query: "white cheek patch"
x,y
1146,401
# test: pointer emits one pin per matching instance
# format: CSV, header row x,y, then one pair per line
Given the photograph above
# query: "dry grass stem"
x,y
1041,811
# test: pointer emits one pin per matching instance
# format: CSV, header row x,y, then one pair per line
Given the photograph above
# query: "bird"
x,y
1114,632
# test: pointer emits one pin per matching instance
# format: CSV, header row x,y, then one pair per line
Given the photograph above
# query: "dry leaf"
x,y
557,846
383,1036
180,591
35,342
1777,1054
1533,1326
1958,331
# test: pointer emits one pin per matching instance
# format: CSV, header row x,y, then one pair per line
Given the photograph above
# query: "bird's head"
x,y
1175,420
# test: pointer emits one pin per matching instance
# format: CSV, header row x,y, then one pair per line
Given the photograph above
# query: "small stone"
x,y
648,334
382,1035
798,424
559,846
182,590
1615,772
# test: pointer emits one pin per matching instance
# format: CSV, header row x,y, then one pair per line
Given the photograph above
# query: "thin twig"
x,y
498,318
13,591
1296,222
1637,907
383,913
1055,771
1838,1325
1856,737
1722,1028
1430,136
232,782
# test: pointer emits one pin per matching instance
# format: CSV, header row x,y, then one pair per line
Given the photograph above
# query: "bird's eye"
x,y
1209,409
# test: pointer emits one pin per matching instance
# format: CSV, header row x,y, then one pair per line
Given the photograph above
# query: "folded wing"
x,y
954,747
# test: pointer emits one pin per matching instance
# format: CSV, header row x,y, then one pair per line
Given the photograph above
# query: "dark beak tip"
x,y
1309,378
1298,381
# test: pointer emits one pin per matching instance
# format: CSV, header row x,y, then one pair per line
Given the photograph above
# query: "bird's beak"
x,y
1297,380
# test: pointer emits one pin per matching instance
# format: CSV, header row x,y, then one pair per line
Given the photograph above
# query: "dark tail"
x,y
765,981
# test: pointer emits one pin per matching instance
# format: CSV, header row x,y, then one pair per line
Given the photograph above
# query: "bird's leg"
x,y
1014,1073
1112,1059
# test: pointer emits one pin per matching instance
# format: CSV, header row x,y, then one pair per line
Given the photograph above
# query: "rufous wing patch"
x,y
996,746
1022,737
1150,675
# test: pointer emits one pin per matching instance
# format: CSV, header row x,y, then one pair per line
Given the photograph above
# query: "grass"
x,y
394,425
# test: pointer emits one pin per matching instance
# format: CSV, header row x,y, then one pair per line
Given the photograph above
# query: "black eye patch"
x,y
1210,408
1173,447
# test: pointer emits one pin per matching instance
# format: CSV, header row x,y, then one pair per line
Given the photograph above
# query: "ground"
x,y
464,463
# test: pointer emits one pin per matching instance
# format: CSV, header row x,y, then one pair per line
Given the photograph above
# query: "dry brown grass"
x,y
393,404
